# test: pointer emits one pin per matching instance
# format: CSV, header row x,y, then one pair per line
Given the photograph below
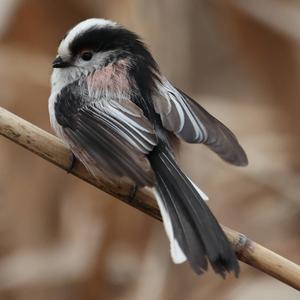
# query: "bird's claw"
x,y
72,161
133,192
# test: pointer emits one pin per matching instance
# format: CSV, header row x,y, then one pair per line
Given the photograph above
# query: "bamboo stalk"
x,y
52,149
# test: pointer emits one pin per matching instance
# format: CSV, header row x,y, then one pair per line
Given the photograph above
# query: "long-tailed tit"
x,y
117,113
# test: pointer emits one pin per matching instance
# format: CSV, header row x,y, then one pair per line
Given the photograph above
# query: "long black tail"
x,y
196,230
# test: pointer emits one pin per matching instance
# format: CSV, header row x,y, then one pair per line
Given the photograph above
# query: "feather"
x,y
192,123
107,134
117,113
195,228
177,254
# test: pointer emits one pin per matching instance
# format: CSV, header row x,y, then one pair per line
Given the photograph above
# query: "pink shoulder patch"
x,y
112,78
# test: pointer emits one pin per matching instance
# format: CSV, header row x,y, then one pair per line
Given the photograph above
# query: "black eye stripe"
x,y
105,39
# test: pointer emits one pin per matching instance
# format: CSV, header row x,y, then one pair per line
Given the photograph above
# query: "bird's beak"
x,y
60,63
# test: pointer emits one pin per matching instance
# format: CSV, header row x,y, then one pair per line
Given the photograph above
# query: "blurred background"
x,y
63,239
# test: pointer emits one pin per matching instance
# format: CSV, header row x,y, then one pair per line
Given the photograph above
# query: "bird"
x,y
120,116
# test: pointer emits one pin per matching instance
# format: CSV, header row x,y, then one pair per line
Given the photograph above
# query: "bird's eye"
x,y
86,55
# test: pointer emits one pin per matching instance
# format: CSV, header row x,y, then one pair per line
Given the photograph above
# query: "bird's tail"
x,y
194,233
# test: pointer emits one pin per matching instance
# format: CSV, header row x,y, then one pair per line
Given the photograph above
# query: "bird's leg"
x,y
72,161
133,192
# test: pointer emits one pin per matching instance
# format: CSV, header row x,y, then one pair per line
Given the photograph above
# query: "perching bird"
x,y
118,113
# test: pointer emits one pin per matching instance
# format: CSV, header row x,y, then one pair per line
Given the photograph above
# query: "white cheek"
x,y
62,77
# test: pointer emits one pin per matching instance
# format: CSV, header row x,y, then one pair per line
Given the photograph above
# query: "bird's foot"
x,y
72,161
132,194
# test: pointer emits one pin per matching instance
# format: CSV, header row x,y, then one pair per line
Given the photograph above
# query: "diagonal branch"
x,y
52,149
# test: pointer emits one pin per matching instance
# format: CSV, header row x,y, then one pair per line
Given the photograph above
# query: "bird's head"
x,y
93,44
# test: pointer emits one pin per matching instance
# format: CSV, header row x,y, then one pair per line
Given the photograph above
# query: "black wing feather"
x,y
191,122
107,134
220,138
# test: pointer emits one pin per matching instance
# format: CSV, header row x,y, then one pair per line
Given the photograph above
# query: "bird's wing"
x,y
107,134
192,123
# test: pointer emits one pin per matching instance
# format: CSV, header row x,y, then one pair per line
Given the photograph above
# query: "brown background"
x,y
62,239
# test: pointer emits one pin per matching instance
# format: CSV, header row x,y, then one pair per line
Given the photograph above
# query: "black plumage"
x,y
126,133
196,229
